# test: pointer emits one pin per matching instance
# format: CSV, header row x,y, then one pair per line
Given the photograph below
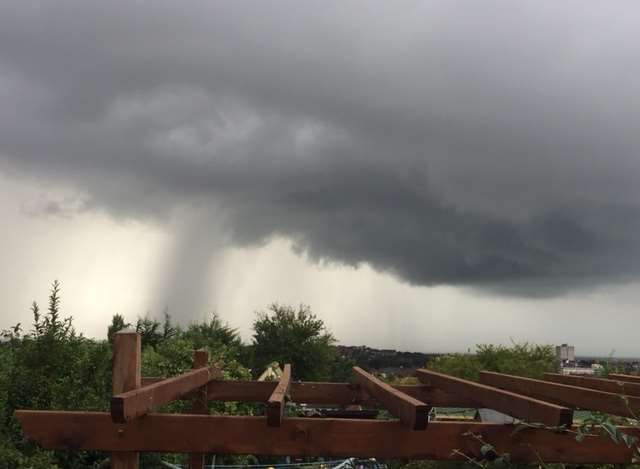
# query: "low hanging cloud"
x,y
495,145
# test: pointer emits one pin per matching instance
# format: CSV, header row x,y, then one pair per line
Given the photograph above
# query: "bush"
x,y
528,360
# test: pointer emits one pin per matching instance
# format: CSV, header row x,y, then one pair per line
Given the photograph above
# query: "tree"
x,y
117,324
214,334
149,330
527,360
168,329
287,335
50,367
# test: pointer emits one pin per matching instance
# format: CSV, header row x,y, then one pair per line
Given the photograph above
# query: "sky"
x,y
425,175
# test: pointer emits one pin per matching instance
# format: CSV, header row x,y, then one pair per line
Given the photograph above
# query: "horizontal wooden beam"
x,y
608,385
516,405
313,437
276,402
326,393
620,377
138,402
412,412
564,394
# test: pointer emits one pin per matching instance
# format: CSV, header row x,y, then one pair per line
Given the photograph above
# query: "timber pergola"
x,y
415,432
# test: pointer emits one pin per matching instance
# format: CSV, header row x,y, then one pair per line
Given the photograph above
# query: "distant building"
x,y
565,353
566,359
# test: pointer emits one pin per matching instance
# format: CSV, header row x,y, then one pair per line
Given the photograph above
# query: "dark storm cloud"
x,y
444,142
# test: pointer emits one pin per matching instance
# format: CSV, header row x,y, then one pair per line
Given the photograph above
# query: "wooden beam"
x,y
628,378
126,376
276,402
138,402
516,405
601,384
199,404
564,394
313,437
412,412
327,393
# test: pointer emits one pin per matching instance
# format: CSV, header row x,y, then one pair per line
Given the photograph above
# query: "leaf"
x,y
486,448
518,429
629,440
612,431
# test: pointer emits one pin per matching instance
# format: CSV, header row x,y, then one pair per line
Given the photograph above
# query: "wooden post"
x,y
127,360
200,359
277,400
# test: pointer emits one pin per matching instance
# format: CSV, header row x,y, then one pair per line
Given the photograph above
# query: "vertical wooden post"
x,y
127,360
199,406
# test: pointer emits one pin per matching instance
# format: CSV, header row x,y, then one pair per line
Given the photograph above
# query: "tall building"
x,y
565,353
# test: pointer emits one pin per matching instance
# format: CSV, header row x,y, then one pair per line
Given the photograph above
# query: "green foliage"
x,y
117,324
287,335
465,366
51,367
12,458
213,334
525,359
608,427
149,330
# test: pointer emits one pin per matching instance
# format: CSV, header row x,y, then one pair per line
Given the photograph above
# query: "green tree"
x,y
149,330
117,324
214,335
169,330
288,335
51,367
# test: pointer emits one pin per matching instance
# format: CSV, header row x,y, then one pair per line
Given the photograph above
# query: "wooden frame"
x,y
310,437
516,405
136,429
564,394
412,412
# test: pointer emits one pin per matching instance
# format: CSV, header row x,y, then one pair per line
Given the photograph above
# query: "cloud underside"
x,y
494,146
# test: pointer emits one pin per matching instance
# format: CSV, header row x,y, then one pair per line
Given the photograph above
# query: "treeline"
x,y
385,359
49,365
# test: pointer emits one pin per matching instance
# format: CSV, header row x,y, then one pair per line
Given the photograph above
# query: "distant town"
x,y
398,363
